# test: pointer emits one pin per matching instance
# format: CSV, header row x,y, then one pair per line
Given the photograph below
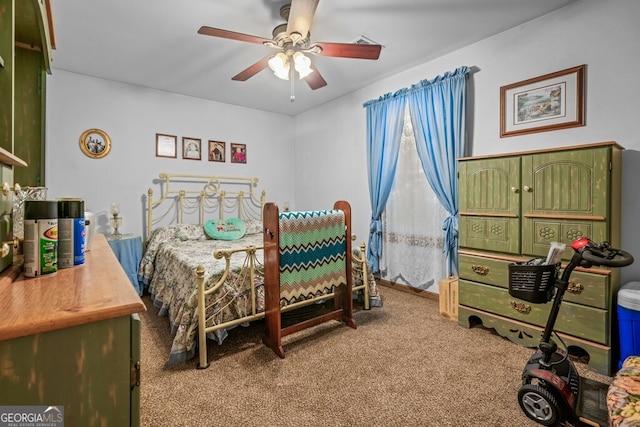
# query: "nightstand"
x,y
128,250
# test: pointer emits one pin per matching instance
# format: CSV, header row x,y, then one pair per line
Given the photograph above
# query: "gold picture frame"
x,y
550,102
95,143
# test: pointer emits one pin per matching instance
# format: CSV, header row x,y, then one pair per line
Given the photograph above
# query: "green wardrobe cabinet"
x,y
512,207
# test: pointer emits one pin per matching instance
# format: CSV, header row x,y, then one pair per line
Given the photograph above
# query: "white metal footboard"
x,y
249,268
251,265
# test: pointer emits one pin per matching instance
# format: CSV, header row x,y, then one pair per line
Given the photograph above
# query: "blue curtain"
x,y
385,119
437,109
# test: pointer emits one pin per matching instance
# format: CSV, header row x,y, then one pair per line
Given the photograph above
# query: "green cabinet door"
x,y
565,197
85,369
489,204
6,74
135,370
28,143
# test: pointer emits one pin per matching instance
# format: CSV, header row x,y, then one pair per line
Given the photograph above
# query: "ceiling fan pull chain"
x,y
292,98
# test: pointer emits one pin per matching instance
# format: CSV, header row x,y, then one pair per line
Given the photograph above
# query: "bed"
x,y
208,286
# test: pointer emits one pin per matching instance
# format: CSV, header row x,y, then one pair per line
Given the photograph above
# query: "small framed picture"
x,y
550,102
191,148
166,145
238,153
217,151
95,143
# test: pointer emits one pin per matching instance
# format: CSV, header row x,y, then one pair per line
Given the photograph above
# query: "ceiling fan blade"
x,y
301,16
226,34
315,79
349,50
252,70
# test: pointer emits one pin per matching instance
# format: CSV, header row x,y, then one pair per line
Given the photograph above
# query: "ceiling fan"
x,y
292,40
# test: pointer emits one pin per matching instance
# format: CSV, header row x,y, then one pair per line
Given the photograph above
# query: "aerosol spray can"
x,y
40,237
71,232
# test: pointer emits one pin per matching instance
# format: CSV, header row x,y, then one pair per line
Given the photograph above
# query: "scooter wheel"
x,y
539,404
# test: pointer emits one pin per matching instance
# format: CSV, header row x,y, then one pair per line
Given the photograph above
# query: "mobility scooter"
x,y
552,391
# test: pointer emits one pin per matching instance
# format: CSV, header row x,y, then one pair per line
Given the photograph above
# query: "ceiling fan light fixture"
x,y
302,64
279,64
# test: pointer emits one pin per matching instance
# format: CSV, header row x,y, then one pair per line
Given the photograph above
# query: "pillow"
x,y
253,226
225,229
189,232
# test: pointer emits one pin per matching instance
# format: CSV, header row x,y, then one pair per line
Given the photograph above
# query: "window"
x,y
413,239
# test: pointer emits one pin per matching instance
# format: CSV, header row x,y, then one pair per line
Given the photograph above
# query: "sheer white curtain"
x,y
413,239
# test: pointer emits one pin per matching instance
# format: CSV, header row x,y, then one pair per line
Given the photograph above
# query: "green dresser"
x,y
72,340
511,208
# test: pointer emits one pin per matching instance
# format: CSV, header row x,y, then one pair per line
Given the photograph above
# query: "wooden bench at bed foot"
x,y
623,397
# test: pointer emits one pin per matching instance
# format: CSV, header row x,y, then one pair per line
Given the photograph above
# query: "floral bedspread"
x,y
623,396
168,268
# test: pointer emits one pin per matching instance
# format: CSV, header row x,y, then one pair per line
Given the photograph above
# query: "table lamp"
x,y
115,221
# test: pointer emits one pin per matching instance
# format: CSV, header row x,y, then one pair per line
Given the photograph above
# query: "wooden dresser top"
x,y
97,290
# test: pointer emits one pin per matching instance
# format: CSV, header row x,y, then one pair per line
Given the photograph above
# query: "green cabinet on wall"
x,y
511,208
26,36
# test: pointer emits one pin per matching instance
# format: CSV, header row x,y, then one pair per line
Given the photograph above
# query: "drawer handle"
x,y
482,270
575,287
521,307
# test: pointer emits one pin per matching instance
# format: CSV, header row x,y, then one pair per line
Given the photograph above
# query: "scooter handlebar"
x,y
603,254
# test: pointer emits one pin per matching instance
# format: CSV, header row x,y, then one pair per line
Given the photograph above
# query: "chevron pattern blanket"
x,y
312,249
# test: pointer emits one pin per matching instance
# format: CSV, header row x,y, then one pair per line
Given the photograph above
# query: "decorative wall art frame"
x,y
238,153
191,148
95,143
217,151
549,102
166,145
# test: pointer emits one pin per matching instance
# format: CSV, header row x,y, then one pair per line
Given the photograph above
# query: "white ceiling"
x,y
154,43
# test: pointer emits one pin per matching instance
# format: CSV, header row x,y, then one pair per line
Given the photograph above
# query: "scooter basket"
x,y
532,283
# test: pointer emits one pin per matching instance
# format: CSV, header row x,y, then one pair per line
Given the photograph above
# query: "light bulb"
x,y
280,65
302,64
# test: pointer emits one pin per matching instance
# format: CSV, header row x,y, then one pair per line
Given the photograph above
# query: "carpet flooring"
x,y
405,365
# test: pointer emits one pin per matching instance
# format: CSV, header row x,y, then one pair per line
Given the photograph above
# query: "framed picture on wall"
x,y
238,153
95,143
191,148
550,102
166,145
217,151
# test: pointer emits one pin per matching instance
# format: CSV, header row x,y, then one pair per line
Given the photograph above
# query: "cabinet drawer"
x,y
484,270
584,288
588,289
580,321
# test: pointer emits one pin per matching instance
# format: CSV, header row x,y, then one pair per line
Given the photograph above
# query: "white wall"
x,y
132,116
601,34
330,140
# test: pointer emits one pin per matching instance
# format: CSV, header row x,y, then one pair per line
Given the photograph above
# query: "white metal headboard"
x,y
190,198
